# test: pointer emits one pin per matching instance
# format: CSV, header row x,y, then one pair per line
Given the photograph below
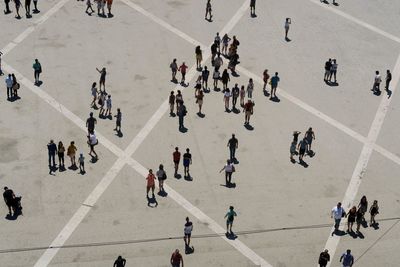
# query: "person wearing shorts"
x,y
187,160
103,71
162,176
176,156
109,5
187,232
302,148
248,109
92,141
150,183
230,216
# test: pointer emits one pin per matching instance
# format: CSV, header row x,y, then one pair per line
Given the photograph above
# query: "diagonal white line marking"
x,y
365,155
357,21
33,27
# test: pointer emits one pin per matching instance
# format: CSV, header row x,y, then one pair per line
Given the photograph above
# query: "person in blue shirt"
x,y
347,259
274,85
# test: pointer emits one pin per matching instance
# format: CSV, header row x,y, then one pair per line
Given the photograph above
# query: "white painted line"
x,y
30,29
365,155
357,21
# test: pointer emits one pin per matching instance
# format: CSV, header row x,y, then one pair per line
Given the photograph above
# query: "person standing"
x,y
218,62
176,157
94,95
302,147
233,144
162,176
187,161
103,74
225,79
7,3
199,57
363,206
90,123
274,84
199,99
81,160
182,68
208,11
217,41
150,183
229,168
248,109
227,95
265,79
171,101
230,217
108,107
118,121
9,84
204,76
250,88
60,153
333,71
35,10
337,213
37,67
225,43
178,99
328,66
324,258
374,210
52,150
387,80
174,68
351,218
15,86
109,5
181,114
1,70
92,141
288,21
216,78
242,95
347,259
28,8
252,8
187,232
310,136
8,196
377,82
176,257
119,262
71,151
359,219
235,95
17,6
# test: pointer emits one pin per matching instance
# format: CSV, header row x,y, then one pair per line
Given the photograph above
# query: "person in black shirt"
x,y
235,95
328,66
102,82
119,262
118,122
233,145
324,258
388,79
8,196
187,160
90,123
204,75
52,149
214,47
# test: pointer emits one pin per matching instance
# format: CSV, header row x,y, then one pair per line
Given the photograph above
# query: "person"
x,y
103,74
242,95
28,8
9,84
176,157
199,99
109,5
233,144
81,160
119,262
302,147
204,76
250,88
310,136
7,3
197,85
387,80
208,11
174,68
217,41
216,78
252,8
359,219
230,216
162,176
92,141
89,6
52,150
108,107
94,95
214,50
351,218
227,95
1,70
187,161
265,79
35,10
248,109
333,70
377,82
8,196
293,151
171,101
17,6
71,153
178,99
60,153
187,232
37,67
90,123
176,257
235,95
199,57
150,183
374,210
15,86
347,259
328,66
274,84
225,79
181,112
182,68
118,121
288,21
363,206
229,168
218,62
324,258
337,213
225,42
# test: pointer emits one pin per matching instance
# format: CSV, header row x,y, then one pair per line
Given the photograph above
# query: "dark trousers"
x,y
387,85
228,177
234,100
9,92
37,73
52,157
61,159
7,2
232,151
180,122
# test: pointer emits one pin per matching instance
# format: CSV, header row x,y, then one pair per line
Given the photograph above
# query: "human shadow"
x,y
235,110
183,129
377,92
231,236
188,249
235,161
375,226
184,84
335,4
175,81
119,134
266,93
39,83
352,234
201,115
287,39
109,15
73,167
325,2
303,163
275,99
389,93
229,185
360,235
253,15
14,216
331,83
82,172
178,176
188,178
93,159
14,98
152,201
248,127
338,233
235,74
162,193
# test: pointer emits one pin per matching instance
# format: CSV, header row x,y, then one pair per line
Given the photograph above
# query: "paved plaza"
x,y
283,209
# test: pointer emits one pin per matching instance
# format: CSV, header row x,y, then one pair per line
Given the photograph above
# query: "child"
x,y
81,163
89,6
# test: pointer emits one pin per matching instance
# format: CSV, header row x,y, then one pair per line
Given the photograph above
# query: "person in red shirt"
x,y
176,158
150,183
248,109
176,259
182,68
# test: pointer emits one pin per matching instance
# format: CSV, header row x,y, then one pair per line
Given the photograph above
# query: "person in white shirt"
x,y
337,213
9,84
227,96
92,141
188,232
287,23
229,169
377,82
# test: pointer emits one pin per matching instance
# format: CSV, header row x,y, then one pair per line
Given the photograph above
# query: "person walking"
x,y
347,259
7,10
108,107
182,68
103,74
253,8
94,92
81,160
214,51
229,168
199,100
374,210
250,88
89,7
204,77
150,183
274,84
176,257
337,213
17,6
60,153
242,95
8,196
248,109
182,112
37,69
92,142
208,11
310,136
359,219
9,84
176,157
174,69
387,80
199,57
227,95
225,43
324,258
216,78
302,147
225,79
71,151
52,150
187,161
171,101
217,41
162,176
377,83
187,232
230,217
265,79
28,8
351,218
15,86
233,144
235,94
118,121
90,123
288,21
119,262
328,65
102,102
